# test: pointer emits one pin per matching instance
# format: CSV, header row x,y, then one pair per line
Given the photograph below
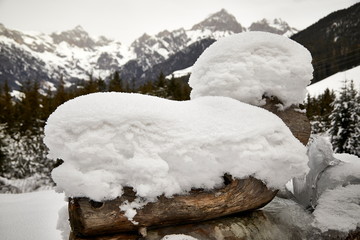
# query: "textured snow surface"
x,y
178,237
336,82
339,209
30,216
158,146
248,65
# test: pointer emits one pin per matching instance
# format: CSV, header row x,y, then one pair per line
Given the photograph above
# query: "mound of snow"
x,y
158,146
249,65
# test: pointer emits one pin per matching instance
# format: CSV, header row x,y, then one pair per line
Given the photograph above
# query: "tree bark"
x,y
297,121
88,218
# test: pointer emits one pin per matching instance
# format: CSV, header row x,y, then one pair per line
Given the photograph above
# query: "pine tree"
x,y
7,106
29,107
326,100
3,157
101,85
115,84
345,120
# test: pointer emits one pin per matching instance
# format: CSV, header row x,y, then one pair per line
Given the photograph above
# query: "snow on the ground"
x,y
30,216
336,82
159,146
180,73
339,209
247,66
178,237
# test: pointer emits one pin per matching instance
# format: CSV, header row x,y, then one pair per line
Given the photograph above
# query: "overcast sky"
x,y
125,20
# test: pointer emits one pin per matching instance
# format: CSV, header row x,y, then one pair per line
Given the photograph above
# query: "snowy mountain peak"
x,y
220,21
277,26
75,37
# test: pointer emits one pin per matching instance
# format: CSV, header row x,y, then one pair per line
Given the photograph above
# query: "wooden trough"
x,y
95,220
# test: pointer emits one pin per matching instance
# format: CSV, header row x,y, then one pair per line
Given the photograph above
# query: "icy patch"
x,y
339,209
249,65
157,146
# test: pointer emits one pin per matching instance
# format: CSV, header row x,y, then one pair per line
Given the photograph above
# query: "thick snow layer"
x,y
249,65
158,146
336,82
30,216
339,209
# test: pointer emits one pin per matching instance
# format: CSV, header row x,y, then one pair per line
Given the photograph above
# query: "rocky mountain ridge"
x,y
74,55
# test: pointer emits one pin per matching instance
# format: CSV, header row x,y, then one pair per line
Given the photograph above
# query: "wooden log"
x,y
281,219
250,225
297,121
88,218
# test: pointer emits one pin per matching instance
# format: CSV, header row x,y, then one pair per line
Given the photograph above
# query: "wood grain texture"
x,y
90,219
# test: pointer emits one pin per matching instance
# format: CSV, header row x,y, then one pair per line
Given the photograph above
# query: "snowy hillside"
x,y
336,82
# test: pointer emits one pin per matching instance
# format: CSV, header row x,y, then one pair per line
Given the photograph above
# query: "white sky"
x,y
125,20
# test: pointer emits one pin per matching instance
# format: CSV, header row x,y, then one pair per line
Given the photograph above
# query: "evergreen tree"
x,y
161,81
6,106
60,95
325,107
101,85
90,86
29,107
3,157
345,121
115,84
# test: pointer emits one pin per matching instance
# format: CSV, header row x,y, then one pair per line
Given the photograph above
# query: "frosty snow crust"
x,y
158,146
247,66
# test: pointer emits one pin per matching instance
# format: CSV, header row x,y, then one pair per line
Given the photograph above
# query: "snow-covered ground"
x,y
30,216
336,82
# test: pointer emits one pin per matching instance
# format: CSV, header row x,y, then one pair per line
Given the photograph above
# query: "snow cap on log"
x,y
157,146
250,65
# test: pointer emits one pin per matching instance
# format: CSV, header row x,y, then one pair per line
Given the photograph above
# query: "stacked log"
x,y
89,219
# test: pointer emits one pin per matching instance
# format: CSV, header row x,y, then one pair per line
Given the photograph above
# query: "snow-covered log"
x,y
89,218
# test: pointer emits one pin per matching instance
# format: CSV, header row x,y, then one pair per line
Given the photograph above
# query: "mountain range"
x,y
74,55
